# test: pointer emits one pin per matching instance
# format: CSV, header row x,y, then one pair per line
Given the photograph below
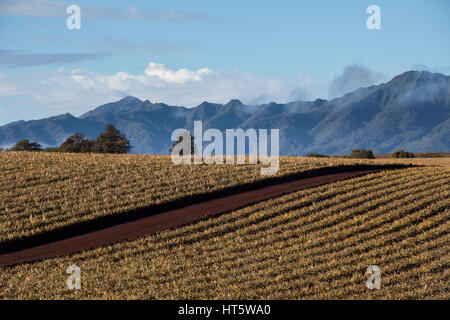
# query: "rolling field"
x,y
311,244
44,191
41,192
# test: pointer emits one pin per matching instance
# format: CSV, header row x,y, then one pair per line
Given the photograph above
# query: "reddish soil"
x,y
166,220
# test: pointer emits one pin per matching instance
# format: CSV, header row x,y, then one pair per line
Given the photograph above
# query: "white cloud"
x,y
77,91
307,89
353,77
179,76
13,58
57,8
6,88
44,8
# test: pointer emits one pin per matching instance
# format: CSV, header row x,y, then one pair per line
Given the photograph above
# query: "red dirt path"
x,y
166,220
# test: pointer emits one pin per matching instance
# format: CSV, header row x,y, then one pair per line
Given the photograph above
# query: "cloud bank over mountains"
x,y
353,77
77,90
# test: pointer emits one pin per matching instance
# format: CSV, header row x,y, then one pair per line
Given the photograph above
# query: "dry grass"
x,y
314,244
40,192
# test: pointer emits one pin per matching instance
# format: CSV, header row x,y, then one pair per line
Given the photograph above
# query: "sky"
x,y
187,52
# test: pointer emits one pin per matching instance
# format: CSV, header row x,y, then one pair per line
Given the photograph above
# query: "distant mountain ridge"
x,y
411,112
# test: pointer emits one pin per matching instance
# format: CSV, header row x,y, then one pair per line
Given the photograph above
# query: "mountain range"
x,y
410,112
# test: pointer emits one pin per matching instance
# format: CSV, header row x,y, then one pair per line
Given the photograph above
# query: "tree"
x,y
402,154
26,145
362,154
180,139
112,141
316,155
77,143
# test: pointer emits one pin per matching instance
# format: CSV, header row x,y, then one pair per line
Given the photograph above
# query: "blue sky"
x,y
185,52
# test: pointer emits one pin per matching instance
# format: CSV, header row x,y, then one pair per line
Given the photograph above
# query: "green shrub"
x,y
112,141
402,154
362,154
26,145
77,144
180,139
317,155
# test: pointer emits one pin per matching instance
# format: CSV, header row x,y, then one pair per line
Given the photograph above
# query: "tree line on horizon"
x,y
110,141
365,154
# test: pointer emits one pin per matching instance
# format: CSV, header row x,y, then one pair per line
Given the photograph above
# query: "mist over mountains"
x,y
411,112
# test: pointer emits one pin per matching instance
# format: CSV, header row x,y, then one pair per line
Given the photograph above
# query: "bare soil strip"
x,y
169,219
